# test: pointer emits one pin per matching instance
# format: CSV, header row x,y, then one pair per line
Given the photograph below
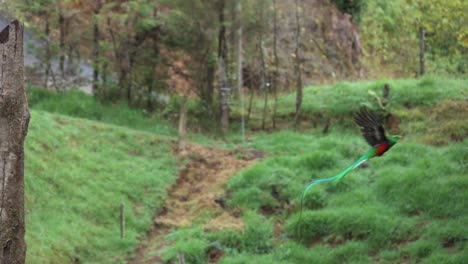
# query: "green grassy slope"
x,y
77,173
78,104
405,207
346,97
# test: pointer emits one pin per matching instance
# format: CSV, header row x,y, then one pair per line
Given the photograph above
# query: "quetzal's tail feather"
x,y
369,154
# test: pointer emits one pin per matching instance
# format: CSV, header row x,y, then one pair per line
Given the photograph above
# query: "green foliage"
x,y
352,223
258,234
389,30
77,173
351,7
256,238
191,242
248,258
427,186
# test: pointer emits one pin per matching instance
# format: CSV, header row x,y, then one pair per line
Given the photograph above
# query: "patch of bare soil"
x,y
197,197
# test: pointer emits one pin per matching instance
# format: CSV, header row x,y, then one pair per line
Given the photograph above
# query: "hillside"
x,y
408,206
77,173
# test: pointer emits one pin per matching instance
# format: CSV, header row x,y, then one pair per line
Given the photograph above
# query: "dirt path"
x,y
195,198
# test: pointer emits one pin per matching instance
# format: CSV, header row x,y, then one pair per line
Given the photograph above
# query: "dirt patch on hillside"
x,y
196,198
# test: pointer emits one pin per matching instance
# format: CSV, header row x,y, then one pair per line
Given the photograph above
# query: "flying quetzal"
x,y
374,133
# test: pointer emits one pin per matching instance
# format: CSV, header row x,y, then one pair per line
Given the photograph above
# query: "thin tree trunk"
x,y
222,43
183,124
119,56
156,60
239,64
96,37
70,62
263,81
14,120
276,61
47,52
210,77
129,66
222,79
297,67
104,80
422,39
61,21
224,95
249,108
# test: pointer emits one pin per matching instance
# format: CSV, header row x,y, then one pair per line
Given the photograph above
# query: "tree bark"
x,y
182,124
276,62
297,67
96,37
240,81
264,82
224,96
14,120
222,44
61,22
222,78
47,52
422,39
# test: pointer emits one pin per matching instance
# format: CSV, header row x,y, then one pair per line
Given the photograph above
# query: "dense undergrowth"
x,y
407,206
77,173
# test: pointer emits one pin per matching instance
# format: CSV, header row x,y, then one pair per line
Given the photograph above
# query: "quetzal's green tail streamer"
x,y
369,154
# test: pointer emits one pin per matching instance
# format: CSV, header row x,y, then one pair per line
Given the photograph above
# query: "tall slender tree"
x,y
96,39
239,64
275,79
297,64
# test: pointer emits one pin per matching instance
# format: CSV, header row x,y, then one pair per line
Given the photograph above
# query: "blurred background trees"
x,y
146,51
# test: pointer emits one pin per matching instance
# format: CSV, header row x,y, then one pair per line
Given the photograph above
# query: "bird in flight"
x,y
374,134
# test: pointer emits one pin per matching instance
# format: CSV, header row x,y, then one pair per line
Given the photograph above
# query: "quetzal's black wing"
x,y
371,128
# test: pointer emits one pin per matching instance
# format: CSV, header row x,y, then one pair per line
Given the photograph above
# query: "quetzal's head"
x,y
394,139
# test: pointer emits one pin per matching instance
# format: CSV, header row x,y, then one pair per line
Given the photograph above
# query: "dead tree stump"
x,y
14,120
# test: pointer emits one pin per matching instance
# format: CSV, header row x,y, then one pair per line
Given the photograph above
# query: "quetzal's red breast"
x,y
373,131
382,148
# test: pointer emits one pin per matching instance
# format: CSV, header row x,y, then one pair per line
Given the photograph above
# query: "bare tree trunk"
x,y
47,52
156,63
61,21
222,43
276,62
239,64
182,124
222,79
263,81
224,96
97,10
14,120
297,67
249,108
422,39
120,56
129,64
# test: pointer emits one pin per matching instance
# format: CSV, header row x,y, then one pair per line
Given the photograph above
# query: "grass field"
x,y
77,173
408,206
